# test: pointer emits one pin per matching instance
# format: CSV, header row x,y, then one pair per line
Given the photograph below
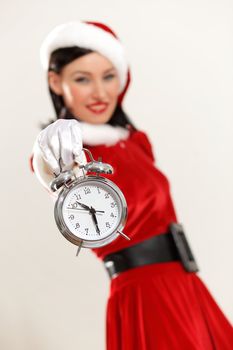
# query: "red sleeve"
x,y
143,141
31,164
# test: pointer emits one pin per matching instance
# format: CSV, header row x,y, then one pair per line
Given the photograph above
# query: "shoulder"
x,y
134,141
140,138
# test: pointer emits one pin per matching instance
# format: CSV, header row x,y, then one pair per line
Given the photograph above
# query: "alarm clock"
x,y
90,210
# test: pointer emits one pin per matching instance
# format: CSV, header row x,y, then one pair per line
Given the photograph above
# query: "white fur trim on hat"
x,y
87,36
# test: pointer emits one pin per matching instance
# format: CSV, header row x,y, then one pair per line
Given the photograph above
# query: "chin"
x,y
99,119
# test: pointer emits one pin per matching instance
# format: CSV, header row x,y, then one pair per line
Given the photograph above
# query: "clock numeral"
x,y
112,215
113,204
106,195
77,196
98,189
77,225
71,217
86,190
86,229
107,224
74,205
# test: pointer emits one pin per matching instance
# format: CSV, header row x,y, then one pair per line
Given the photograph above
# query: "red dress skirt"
x,y
158,306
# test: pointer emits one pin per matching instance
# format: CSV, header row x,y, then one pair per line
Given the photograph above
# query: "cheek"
x,y
114,91
73,94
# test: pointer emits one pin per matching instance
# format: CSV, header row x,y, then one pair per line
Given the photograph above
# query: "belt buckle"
x,y
110,267
183,247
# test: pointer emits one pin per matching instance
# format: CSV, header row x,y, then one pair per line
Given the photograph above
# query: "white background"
x,y
181,57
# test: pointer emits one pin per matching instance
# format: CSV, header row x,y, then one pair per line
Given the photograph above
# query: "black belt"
x,y
165,247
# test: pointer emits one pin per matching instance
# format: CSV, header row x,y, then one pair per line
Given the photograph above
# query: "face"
x,y
90,87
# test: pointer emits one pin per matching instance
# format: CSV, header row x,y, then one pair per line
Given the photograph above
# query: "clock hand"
x,y
93,211
72,208
96,223
84,205
97,211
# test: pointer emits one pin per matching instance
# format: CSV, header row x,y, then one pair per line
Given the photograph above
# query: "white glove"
x,y
61,145
57,147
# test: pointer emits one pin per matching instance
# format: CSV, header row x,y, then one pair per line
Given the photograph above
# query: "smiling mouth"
x,y
98,107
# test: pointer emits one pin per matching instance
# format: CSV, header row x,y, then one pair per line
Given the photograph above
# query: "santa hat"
x,y
89,35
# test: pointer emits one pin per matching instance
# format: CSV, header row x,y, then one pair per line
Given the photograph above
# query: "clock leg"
x,y
123,234
79,248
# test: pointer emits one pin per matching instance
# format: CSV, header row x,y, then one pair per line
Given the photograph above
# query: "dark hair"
x,y
58,59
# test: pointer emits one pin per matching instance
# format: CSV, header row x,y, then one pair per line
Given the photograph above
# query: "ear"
x,y
54,81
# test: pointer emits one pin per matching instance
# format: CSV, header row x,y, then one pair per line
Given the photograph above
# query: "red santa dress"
x,y
157,306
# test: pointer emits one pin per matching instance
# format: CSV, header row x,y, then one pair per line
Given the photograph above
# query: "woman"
x,y
156,300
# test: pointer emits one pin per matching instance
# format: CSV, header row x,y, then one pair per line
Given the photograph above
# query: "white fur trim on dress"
x,y
102,134
86,36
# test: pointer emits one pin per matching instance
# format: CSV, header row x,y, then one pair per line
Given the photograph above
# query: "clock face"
x,y
92,210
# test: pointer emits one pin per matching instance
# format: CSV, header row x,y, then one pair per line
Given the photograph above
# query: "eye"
x,y
109,76
82,80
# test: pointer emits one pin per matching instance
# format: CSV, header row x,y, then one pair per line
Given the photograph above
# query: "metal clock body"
x,y
91,210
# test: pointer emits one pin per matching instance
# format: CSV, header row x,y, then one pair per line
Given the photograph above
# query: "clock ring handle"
x,y
89,153
65,177
96,166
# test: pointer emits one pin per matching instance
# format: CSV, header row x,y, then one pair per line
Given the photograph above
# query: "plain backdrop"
x,y
181,55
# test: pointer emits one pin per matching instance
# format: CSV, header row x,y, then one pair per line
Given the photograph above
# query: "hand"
x,y
61,145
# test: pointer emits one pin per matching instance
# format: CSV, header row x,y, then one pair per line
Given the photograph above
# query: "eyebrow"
x,y
85,72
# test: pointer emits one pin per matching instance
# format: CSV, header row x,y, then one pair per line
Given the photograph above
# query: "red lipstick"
x,y
97,107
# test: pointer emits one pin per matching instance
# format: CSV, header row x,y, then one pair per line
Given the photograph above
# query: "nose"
x,y
99,91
